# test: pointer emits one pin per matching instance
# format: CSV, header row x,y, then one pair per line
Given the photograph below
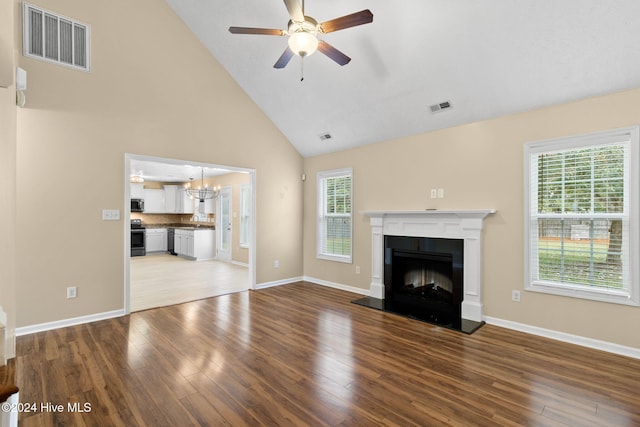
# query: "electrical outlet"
x,y
357,269
434,193
515,296
440,193
276,264
71,292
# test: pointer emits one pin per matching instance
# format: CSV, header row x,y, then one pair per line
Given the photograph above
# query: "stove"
x,y
138,238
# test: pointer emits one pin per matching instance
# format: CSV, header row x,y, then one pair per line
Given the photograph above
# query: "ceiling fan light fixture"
x,y
302,36
303,43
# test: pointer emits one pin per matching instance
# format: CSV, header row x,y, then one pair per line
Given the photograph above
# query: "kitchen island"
x,y
194,242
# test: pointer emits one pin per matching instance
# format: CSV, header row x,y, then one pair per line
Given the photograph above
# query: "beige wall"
x,y
153,90
480,166
7,173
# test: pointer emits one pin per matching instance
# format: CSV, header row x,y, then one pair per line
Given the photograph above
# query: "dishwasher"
x,y
171,232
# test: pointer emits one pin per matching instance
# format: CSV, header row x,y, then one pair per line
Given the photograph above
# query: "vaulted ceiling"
x,y
486,58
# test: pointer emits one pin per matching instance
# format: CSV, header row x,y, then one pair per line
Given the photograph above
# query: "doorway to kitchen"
x,y
187,255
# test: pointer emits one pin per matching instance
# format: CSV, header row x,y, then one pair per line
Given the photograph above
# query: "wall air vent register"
x,y
55,38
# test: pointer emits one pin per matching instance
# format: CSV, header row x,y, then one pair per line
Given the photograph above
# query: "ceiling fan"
x,y
302,31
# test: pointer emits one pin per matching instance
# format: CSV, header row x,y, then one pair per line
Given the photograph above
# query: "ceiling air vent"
x,y
324,136
440,107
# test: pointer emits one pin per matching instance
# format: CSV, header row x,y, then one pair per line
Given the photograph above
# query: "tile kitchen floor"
x,y
159,280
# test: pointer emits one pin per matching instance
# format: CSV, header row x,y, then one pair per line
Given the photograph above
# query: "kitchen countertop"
x,y
184,226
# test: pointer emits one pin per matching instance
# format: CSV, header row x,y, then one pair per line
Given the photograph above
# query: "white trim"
x,y
241,264
334,285
565,337
41,327
278,282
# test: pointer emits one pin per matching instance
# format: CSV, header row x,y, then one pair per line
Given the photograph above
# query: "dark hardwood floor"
x,y
302,354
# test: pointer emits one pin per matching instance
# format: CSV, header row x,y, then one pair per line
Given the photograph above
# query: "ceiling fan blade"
x,y
295,10
347,21
284,58
261,31
333,53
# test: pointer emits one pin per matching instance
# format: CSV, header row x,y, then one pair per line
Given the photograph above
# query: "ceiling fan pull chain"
x,y
301,68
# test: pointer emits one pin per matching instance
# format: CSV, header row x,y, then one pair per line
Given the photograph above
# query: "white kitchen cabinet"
x,y
187,203
183,243
196,244
156,240
137,190
171,194
209,206
176,200
153,200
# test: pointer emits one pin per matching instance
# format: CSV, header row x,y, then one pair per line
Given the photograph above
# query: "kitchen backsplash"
x,y
152,219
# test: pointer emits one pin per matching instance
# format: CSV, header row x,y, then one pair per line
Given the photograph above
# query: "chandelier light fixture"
x,y
203,192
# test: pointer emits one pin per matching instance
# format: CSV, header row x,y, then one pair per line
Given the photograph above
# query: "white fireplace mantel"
x,y
446,224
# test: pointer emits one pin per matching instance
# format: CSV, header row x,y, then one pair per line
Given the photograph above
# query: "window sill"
x,y
337,258
580,292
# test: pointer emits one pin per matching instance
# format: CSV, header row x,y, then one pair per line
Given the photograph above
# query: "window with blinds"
x,y
334,228
582,216
55,38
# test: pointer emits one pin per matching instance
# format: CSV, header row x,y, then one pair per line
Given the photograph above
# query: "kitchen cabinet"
x,y
137,190
156,240
153,200
171,198
197,244
208,208
176,200
183,242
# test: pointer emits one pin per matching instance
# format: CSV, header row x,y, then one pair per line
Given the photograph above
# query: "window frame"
x,y
321,203
631,187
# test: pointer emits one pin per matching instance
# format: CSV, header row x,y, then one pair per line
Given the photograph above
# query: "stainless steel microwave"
x,y
137,205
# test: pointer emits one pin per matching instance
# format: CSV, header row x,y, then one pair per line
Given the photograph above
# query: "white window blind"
x,y
334,228
580,208
54,38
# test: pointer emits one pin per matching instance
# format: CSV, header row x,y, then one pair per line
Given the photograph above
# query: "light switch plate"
x,y
111,214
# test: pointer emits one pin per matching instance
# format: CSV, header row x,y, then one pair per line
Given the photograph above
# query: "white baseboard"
x,y
336,285
278,282
241,264
41,327
565,337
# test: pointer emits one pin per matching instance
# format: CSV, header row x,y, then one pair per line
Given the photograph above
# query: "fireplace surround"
x,y
449,241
